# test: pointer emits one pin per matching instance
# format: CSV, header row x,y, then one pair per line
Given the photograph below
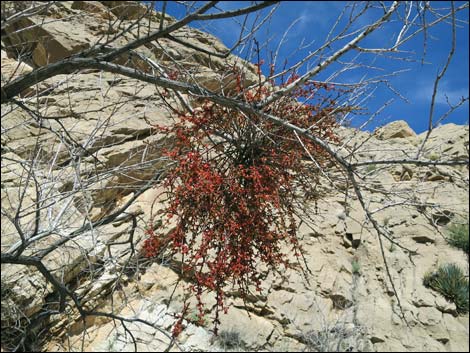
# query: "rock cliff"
x,y
88,134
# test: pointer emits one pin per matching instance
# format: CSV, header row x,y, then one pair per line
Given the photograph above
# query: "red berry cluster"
x,y
233,188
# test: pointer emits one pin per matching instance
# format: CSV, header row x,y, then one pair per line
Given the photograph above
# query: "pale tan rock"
x,y
160,276
95,7
423,297
395,129
445,306
126,10
287,344
109,115
18,287
198,338
429,316
458,332
50,42
420,233
12,68
252,330
355,232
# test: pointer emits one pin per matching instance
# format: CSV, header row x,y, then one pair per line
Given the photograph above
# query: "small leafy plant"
x,y
433,156
458,236
450,281
371,168
355,267
197,319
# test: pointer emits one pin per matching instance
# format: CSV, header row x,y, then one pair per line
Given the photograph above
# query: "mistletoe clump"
x,y
234,185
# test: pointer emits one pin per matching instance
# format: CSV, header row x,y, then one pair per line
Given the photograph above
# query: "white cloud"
x,y
446,91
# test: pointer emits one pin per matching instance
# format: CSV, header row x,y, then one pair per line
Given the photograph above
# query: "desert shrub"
x,y
458,236
433,156
371,168
230,340
337,338
355,267
9,314
450,281
234,185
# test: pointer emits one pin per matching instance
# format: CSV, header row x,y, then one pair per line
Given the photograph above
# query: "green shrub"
x,y
450,281
355,267
433,156
336,337
458,236
196,319
230,340
371,168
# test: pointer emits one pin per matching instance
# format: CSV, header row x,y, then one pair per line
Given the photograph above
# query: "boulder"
x,y
395,129
125,10
42,42
94,7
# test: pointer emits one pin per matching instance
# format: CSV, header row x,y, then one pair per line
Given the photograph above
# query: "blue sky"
x,y
314,19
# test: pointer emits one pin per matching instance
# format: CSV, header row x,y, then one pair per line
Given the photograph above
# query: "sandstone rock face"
x,y
97,151
126,10
45,43
396,129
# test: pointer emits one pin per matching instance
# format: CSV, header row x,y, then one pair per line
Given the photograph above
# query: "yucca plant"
x,y
458,236
450,281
